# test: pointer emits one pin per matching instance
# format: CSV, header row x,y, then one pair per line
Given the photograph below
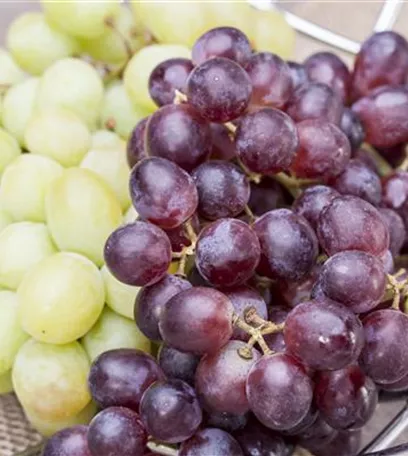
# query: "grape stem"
x,y
396,287
253,177
109,22
383,166
160,448
187,251
249,213
404,165
230,127
179,97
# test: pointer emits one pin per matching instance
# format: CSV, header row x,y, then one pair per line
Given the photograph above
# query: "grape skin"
x,y
396,228
211,442
177,364
298,74
68,442
136,144
351,126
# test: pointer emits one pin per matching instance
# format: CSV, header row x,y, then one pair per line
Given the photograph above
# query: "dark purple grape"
x,y
279,392
324,150
117,431
167,77
266,141
266,196
162,192
223,147
396,387
395,191
317,436
323,335
276,342
288,244
179,134
177,364
227,42
135,150
211,442
151,300
345,443
170,411
198,320
351,126
179,237
385,357
223,189
221,378
219,89
315,101
382,60
227,252
71,441
350,223
298,74
138,253
271,80
308,422
226,421
120,377
387,261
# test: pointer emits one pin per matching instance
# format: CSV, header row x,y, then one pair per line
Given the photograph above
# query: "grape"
x,y
395,191
317,436
10,149
384,357
225,421
279,392
117,431
167,77
104,139
6,384
227,252
351,126
23,245
367,158
266,141
350,223
198,320
223,147
66,311
138,254
219,89
276,342
136,143
355,279
179,134
76,196
323,334
67,442
387,261
346,398
308,424
288,244
162,193
170,411
396,387
315,101
176,364
324,150
382,60
345,443
10,73
151,301
298,74
50,380
211,442
266,195
5,219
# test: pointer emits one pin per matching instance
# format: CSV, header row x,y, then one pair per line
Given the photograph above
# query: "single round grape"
x,y
167,77
211,442
225,421
317,436
198,320
267,195
288,244
298,74
346,398
345,443
276,342
324,150
323,334
396,387
120,377
223,189
136,144
219,89
227,252
350,223
266,141
384,357
315,101
279,392
170,411
151,300
223,147
117,431
68,442
351,126
179,134
162,193
177,364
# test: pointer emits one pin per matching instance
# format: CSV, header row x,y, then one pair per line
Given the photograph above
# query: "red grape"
x,y
351,126
226,421
211,442
395,190
266,196
276,342
223,147
317,436
177,364
396,387
308,423
298,74
387,261
135,150
68,442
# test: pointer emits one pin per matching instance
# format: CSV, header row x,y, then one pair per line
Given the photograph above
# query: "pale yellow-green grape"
x,y
137,73
119,296
10,72
24,184
9,149
6,384
51,380
35,44
22,245
72,84
58,134
1,108
105,139
5,219
130,215
18,106
82,211
118,112
12,336
113,331
61,298
231,14
81,18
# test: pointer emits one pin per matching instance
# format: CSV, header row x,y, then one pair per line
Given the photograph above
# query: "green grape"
x,y
5,219
10,73
74,85
105,139
81,18
58,134
18,106
231,14
12,336
24,184
51,380
35,45
22,245
1,108
9,149
130,216
137,73
81,212
119,296
61,298
6,384
113,331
